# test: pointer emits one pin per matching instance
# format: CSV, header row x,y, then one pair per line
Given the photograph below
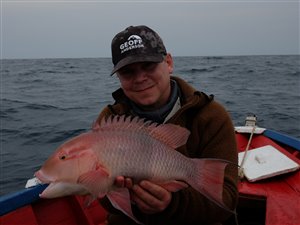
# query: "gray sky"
x,y
75,29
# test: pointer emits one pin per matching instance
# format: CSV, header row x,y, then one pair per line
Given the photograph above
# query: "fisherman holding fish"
x,y
149,90
178,169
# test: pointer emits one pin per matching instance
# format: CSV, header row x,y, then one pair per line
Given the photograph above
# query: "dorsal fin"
x,y
123,123
170,134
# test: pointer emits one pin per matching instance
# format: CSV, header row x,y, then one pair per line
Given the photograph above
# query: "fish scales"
x,y
132,152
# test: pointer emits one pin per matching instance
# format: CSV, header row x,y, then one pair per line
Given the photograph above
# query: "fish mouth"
x,y
43,177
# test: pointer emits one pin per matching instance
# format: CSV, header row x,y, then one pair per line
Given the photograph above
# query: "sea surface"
x,y
46,101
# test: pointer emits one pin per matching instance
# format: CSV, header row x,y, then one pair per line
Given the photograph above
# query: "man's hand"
x,y
150,198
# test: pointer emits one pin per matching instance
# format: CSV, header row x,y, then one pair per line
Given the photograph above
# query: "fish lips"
x,y
43,177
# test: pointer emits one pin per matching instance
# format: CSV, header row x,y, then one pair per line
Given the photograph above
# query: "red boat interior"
x,y
69,210
272,201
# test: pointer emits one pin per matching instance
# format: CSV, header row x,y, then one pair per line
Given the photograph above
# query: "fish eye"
x,y
63,157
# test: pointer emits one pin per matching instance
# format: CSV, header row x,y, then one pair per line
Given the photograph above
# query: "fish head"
x,y
72,159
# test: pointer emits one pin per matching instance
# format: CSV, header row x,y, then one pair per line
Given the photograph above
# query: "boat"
x,y
265,197
272,197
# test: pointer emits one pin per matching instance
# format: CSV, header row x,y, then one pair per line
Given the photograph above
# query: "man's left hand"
x,y
150,198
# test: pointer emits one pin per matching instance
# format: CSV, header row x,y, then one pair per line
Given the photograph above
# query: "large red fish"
x,y
130,147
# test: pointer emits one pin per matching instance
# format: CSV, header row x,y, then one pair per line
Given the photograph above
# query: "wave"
x,y
17,105
214,57
60,136
199,70
39,136
8,131
40,107
295,74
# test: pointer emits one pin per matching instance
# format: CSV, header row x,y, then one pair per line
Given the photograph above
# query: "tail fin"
x,y
208,179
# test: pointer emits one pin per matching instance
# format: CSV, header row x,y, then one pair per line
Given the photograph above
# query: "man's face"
x,y
147,83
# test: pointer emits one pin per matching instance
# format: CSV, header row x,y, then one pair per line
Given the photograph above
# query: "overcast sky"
x,y
75,29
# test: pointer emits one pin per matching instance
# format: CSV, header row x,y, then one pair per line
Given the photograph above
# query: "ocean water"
x,y
46,101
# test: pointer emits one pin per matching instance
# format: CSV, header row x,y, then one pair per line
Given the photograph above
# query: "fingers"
x,y
150,198
123,182
119,181
128,182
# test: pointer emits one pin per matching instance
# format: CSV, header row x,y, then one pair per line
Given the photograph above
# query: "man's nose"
x,y
140,74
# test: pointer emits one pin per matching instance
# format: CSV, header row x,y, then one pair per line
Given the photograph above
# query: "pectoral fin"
x,y
96,181
120,199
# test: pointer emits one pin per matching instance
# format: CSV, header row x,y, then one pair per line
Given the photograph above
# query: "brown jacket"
x,y
212,136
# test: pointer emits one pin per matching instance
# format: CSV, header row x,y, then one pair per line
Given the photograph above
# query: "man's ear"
x,y
169,61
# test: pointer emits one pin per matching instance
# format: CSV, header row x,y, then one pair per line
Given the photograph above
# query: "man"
x,y
149,90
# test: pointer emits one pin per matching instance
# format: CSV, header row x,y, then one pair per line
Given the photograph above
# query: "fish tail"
x,y
208,179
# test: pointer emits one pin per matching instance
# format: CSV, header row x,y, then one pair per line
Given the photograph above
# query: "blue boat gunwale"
x,y
20,198
283,138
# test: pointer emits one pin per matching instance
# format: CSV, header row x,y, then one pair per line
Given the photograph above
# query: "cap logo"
x,y
133,42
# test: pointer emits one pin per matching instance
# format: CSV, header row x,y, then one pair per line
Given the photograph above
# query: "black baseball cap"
x,y
136,44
